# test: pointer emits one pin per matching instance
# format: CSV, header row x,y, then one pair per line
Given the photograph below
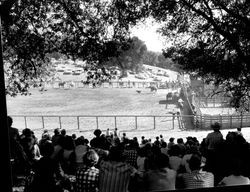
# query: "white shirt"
x,y
235,180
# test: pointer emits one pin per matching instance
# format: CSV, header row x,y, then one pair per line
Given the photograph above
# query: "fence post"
x,y
241,120
97,126
60,122
115,122
154,123
136,122
230,121
221,121
78,123
25,120
201,122
43,122
173,120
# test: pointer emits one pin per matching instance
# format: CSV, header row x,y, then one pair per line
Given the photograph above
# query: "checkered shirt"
x,y
198,179
130,157
87,179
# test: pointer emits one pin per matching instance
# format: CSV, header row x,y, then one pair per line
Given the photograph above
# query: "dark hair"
x,y
115,153
163,144
9,121
195,162
97,132
179,140
47,149
57,131
171,139
162,160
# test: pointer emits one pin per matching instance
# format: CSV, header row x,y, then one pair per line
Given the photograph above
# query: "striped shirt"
x,y
198,179
87,179
115,176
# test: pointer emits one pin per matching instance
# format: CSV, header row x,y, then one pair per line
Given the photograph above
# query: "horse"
x,y
61,84
153,88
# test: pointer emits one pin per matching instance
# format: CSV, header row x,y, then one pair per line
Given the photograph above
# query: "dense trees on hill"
x,y
210,38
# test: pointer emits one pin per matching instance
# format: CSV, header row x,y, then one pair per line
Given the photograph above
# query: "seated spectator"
x,y
236,177
57,135
185,159
175,158
115,175
130,153
171,143
161,177
80,150
182,147
67,156
140,161
157,142
87,177
239,131
47,171
99,141
18,156
197,178
164,148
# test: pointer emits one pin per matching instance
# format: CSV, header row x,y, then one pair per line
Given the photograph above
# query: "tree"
x,y
210,38
34,29
129,54
150,58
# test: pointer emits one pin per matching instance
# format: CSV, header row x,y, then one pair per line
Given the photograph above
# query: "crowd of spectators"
x,y
109,163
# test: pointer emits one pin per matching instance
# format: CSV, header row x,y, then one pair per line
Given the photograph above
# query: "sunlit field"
x,y
102,101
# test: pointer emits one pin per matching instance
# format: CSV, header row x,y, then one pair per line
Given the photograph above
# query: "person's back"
x,y
214,139
161,177
197,178
115,174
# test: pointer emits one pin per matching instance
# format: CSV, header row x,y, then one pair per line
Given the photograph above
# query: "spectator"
x,y
115,175
80,150
182,147
164,148
214,141
98,141
171,143
197,178
157,142
67,156
87,177
236,177
130,153
175,158
160,178
19,159
57,135
47,171
239,131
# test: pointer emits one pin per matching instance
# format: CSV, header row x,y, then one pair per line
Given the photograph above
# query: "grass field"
x,y
102,101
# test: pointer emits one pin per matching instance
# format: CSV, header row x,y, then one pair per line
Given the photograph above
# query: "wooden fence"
x,y
89,122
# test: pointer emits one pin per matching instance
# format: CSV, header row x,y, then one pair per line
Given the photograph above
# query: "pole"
x,y
5,141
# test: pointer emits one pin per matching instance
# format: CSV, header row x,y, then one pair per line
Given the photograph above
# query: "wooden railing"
x,y
90,122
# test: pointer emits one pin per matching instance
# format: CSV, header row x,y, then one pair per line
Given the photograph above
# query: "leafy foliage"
x,y
211,39
34,29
